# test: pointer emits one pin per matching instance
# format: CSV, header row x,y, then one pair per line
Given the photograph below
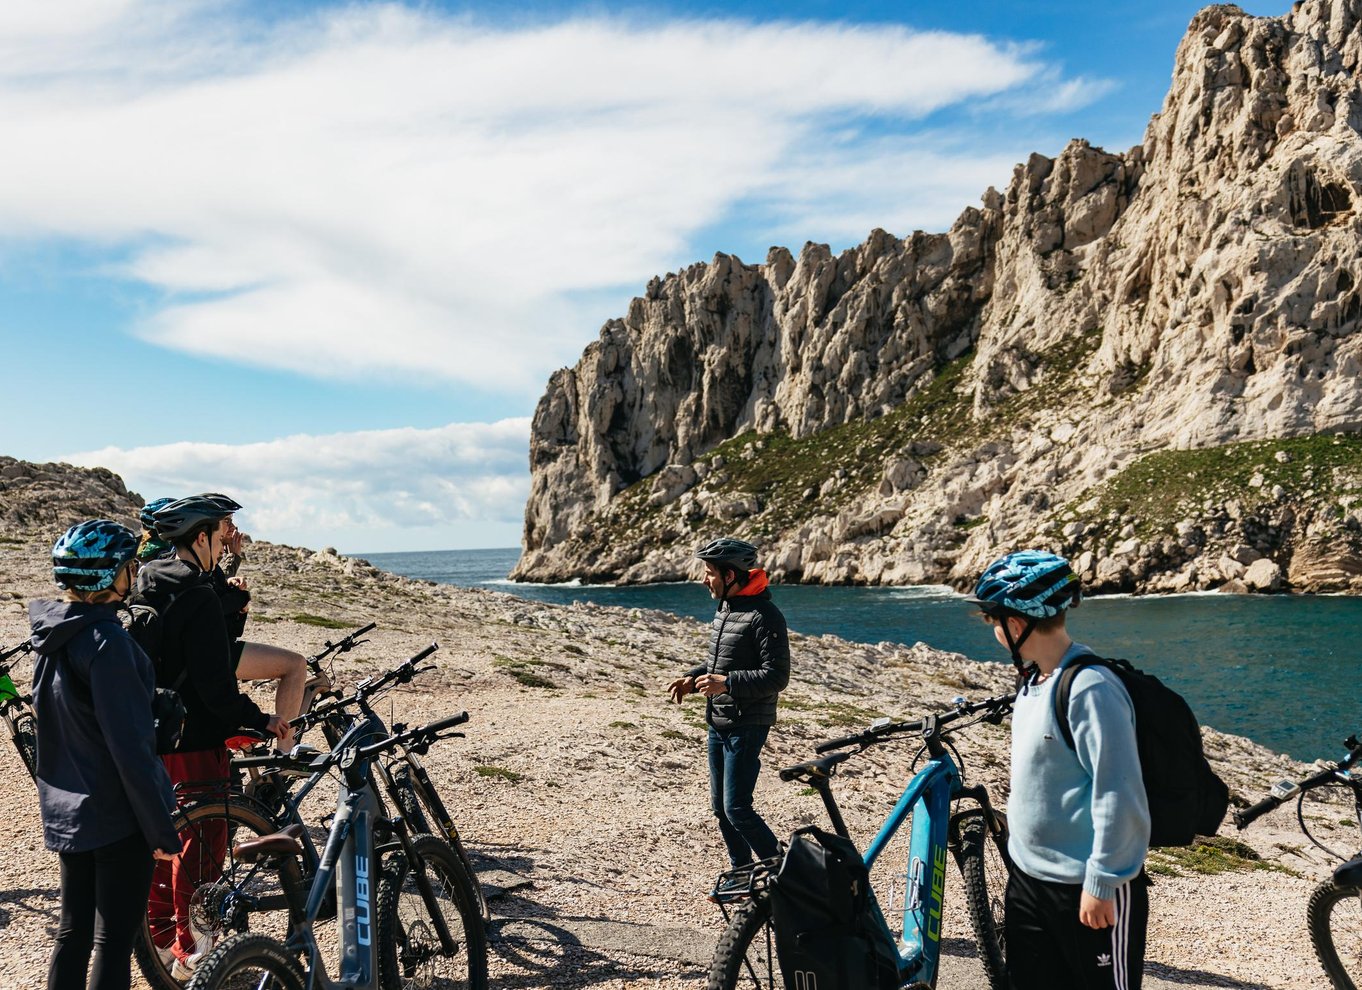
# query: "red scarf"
x,y
756,584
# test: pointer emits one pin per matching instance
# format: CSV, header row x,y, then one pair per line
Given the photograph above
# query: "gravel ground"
x,y
591,789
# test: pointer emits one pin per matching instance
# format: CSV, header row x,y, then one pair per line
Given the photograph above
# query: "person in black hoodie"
x,y
748,667
195,641
106,800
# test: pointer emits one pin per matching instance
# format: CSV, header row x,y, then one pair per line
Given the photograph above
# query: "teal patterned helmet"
x,y
147,516
89,555
1033,584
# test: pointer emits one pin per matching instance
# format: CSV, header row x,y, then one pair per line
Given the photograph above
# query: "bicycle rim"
x,y
411,954
207,894
248,962
746,954
1334,918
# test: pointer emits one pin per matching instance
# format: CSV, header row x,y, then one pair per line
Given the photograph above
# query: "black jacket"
x,y
751,647
99,778
194,636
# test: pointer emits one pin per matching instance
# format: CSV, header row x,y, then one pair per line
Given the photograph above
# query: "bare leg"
x,y
260,662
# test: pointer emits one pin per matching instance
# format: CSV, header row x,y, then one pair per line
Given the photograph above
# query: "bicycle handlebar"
x,y
344,646
26,646
994,706
367,688
1329,775
420,735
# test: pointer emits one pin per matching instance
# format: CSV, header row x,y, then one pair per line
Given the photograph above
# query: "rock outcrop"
x,y
55,495
899,412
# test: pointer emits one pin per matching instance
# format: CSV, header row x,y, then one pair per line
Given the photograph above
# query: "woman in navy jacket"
x,y
105,797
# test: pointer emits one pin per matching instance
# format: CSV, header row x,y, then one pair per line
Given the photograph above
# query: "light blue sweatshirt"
x,y
1077,815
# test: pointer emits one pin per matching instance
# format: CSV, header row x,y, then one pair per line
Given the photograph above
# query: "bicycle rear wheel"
x,y
26,741
1334,918
410,954
982,858
249,962
746,953
207,893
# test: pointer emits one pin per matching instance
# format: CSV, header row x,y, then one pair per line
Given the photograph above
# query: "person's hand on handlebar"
x,y
681,687
281,730
162,854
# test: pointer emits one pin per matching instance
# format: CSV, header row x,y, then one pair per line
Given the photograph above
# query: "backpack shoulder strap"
x,y
1064,687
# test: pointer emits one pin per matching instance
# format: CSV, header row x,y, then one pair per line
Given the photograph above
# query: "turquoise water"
x,y
1281,670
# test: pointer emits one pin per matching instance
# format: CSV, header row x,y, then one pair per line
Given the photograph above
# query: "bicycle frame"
x,y
927,800
15,706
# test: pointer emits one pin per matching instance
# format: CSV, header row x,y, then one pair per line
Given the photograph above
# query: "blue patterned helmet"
x,y
147,517
89,555
1033,584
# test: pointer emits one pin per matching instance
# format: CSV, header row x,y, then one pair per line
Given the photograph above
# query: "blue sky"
x,y
324,256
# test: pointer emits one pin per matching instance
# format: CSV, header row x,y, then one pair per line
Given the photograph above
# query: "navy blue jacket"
x,y
99,778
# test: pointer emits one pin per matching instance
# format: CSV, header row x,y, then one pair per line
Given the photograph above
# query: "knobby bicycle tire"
x,y
1334,918
26,741
409,950
746,953
215,908
983,867
241,961
415,802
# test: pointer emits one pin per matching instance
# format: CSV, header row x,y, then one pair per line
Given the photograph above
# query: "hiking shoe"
x,y
730,888
184,966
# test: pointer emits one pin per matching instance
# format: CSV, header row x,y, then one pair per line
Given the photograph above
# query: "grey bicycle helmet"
x,y
226,501
184,515
728,551
89,555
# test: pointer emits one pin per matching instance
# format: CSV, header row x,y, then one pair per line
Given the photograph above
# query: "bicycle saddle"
x,y
284,841
819,768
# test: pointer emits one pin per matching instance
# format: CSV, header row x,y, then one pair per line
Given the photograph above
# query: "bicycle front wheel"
x,y
207,894
746,953
983,867
1334,918
415,802
410,951
248,962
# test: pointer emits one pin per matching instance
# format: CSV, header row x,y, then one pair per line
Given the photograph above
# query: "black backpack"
x,y
147,625
1186,798
830,934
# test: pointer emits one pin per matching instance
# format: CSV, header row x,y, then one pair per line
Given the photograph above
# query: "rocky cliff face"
x,y
50,497
1148,360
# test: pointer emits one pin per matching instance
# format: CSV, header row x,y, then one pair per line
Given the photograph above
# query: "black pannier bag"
x,y
830,934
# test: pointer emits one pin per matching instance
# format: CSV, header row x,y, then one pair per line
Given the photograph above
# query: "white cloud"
x,y
400,488
383,190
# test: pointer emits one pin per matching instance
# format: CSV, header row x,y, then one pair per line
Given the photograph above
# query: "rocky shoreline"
x,y
1146,358
583,795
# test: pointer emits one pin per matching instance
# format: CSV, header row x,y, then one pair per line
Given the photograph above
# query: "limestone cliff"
x,y
1081,362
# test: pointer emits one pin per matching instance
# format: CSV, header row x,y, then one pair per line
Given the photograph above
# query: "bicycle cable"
x,y
1300,818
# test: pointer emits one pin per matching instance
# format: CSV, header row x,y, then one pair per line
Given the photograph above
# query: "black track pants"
x,y
103,900
1048,948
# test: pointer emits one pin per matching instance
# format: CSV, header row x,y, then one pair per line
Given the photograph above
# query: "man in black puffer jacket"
x,y
747,668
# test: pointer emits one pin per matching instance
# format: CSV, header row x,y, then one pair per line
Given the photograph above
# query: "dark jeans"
x,y
103,898
1048,948
734,763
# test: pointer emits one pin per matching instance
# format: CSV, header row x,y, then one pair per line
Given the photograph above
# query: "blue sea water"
x,y
1281,670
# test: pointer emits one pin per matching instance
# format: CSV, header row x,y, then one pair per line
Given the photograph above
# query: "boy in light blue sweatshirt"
x,y
1077,902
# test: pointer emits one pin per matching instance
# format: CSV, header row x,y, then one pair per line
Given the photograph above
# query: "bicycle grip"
x,y
424,653
360,632
845,741
446,723
1243,819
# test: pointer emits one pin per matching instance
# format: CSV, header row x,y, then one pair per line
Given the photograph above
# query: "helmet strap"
x,y
1024,669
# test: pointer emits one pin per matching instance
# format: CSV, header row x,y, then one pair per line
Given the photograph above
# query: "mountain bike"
x,y
1334,914
17,710
407,913
216,891
976,836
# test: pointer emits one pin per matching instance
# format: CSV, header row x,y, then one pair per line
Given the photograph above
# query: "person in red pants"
x,y
195,642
